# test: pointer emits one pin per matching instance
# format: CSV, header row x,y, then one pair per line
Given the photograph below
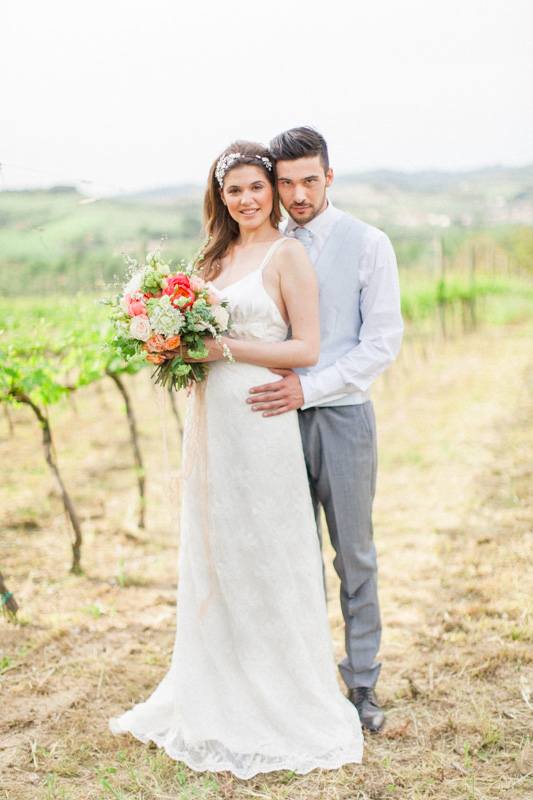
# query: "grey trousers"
x,y
341,455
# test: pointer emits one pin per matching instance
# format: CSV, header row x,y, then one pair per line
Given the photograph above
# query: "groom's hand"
x,y
278,397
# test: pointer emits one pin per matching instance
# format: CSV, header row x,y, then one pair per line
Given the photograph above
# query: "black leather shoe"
x,y
371,716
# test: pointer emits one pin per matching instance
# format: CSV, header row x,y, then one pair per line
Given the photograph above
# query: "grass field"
x,y
454,530
54,242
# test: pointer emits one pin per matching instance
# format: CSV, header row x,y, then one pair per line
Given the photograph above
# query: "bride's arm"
x,y
299,291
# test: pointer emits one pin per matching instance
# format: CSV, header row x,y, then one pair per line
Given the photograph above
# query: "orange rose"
x,y
135,306
156,343
172,342
154,358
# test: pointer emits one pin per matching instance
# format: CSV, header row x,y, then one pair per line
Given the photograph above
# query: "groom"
x,y
361,332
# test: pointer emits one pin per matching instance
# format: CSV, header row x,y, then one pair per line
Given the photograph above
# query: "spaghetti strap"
x,y
271,252
254,271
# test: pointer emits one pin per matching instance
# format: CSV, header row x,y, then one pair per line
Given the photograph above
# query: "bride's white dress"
x,y
252,685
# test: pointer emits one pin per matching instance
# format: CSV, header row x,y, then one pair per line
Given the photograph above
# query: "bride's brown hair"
x,y
221,229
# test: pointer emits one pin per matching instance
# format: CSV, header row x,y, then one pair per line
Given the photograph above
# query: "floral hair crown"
x,y
226,162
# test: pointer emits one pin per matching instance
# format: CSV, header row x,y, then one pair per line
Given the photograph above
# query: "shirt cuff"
x,y
318,385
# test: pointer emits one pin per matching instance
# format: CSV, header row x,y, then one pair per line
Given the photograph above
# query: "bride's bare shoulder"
x,y
290,243
292,263
291,249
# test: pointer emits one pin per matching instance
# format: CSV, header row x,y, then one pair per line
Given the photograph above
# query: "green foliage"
x,y
48,349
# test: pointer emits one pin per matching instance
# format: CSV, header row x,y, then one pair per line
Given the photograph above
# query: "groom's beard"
x,y
302,213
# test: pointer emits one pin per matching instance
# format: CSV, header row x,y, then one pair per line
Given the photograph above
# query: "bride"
x,y
252,685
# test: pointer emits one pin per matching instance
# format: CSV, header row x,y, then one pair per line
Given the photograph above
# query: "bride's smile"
x,y
248,196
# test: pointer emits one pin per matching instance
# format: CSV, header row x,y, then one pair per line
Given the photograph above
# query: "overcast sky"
x,y
138,93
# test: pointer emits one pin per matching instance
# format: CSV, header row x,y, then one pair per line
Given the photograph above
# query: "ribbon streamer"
x,y
194,466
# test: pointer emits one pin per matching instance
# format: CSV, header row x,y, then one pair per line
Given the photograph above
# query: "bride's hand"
x,y
215,352
168,355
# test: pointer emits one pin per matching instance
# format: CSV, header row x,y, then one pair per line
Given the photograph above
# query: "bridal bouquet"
x,y
160,310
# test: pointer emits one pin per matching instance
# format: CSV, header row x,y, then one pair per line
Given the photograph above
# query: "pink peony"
x,y
134,306
179,286
176,280
182,291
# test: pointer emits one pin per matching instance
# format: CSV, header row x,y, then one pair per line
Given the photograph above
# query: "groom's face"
x,y
302,187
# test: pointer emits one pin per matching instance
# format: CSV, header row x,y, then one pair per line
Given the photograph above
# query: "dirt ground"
x,y
454,530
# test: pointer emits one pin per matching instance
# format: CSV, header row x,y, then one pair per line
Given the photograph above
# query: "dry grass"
x,y
454,526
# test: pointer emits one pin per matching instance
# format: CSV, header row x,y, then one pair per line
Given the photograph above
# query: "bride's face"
x,y
248,195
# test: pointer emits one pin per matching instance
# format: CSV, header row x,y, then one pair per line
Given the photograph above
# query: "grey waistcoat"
x,y
337,270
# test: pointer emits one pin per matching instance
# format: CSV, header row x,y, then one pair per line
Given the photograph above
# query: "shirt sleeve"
x,y
381,331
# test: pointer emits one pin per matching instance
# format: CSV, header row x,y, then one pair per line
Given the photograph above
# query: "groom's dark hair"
x,y
295,143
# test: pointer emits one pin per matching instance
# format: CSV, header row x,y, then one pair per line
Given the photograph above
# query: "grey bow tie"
x,y
304,236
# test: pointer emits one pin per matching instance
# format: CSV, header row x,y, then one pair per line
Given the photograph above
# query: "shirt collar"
x,y
315,224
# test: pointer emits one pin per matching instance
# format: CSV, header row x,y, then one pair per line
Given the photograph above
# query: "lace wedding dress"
x,y
252,684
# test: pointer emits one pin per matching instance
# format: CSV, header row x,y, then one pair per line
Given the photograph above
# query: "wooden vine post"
x,y
472,293
9,421
440,272
77,538
7,602
140,472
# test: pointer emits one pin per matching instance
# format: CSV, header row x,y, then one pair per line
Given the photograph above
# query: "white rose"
x,y
140,328
221,316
